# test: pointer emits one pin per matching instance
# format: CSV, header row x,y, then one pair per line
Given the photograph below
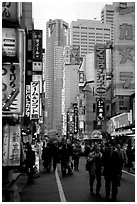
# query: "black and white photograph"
x,y
68,101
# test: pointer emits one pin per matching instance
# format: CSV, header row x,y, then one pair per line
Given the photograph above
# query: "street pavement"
x,y
52,187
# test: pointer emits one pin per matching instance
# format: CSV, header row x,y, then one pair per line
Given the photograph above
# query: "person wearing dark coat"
x,y
65,158
47,157
30,162
112,171
95,166
76,155
55,154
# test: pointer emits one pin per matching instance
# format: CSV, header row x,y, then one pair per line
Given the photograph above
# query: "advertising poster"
x,y
34,110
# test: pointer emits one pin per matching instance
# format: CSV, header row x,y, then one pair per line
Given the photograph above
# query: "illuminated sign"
x,y
37,45
122,120
100,109
34,111
100,70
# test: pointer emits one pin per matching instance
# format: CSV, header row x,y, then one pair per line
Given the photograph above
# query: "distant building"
x,y
86,33
107,16
56,38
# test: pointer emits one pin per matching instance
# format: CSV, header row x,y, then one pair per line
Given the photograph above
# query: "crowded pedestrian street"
x,y
68,101
55,188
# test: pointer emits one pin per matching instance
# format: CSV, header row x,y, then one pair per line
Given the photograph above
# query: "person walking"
x,y
66,158
54,154
95,165
76,155
30,162
47,157
112,171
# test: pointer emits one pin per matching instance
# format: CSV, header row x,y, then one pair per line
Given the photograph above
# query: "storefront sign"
x,y
5,149
122,120
11,88
100,70
34,113
37,45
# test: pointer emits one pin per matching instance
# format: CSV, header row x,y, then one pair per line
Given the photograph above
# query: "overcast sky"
x,y
66,10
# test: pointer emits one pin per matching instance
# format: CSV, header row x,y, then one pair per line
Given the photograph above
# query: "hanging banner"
x,y
35,95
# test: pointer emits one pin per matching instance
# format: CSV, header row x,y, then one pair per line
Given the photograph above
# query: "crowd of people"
x,y
106,159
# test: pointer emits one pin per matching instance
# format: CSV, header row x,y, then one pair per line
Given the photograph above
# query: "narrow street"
x,y
47,187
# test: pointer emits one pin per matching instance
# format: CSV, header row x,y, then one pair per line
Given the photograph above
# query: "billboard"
x,y
11,145
37,45
35,100
100,70
124,48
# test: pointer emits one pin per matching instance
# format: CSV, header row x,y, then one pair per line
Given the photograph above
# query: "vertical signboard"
x,y
34,104
13,81
37,45
11,145
27,109
124,48
100,70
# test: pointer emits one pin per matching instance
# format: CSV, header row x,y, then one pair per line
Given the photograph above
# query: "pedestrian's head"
x,y
109,146
97,148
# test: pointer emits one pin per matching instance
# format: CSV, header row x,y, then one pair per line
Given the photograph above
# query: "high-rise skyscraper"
x,y
107,16
86,33
57,36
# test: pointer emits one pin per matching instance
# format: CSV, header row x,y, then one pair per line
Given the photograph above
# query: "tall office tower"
x,y
57,36
86,33
107,16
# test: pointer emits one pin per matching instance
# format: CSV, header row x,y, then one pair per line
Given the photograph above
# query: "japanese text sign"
x,y
35,102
